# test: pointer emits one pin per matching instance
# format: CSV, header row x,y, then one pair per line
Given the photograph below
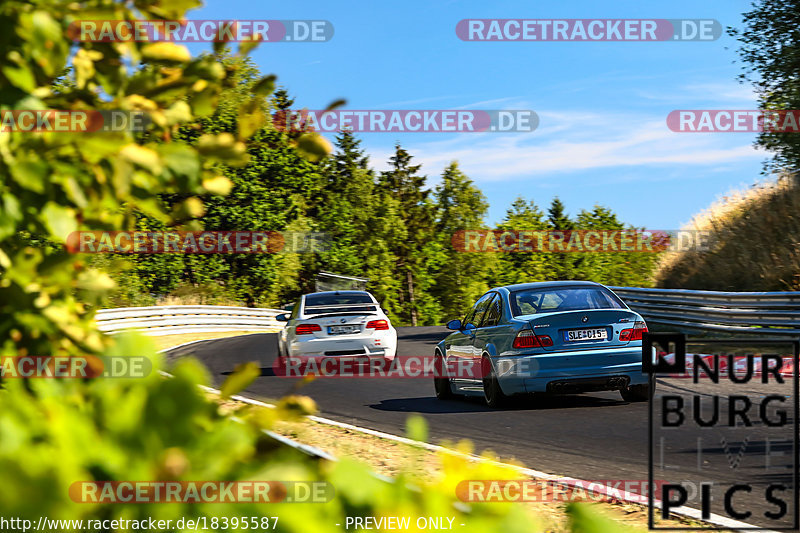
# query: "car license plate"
x,y
342,330
594,334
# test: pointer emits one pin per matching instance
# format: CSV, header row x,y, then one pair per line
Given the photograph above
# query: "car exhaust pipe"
x,y
619,383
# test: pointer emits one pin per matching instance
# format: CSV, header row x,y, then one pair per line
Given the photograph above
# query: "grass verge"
x,y
392,459
169,341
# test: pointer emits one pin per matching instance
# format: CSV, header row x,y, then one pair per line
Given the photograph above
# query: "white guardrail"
x,y
772,313
173,319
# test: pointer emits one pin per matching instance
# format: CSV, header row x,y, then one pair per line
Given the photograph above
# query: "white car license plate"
x,y
594,334
340,330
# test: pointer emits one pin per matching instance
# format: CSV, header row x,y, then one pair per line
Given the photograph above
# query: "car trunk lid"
x,y
340,324
587,329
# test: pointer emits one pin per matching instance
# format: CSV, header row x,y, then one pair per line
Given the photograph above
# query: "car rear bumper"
x,y
356,347
579,371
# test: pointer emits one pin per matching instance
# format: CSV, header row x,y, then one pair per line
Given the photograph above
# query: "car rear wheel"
x,y
280,360
638,393
441,384
492,392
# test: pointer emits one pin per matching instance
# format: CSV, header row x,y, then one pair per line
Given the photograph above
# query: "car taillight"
x,y
527,339
306,329
377,324
634,334
545,340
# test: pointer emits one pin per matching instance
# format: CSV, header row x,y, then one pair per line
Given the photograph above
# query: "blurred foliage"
x,y
58,432
57,183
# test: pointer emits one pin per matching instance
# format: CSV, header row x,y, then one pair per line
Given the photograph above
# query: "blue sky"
x,y
602,137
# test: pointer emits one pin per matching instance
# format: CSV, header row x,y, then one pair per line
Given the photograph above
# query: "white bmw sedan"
x,y
337,324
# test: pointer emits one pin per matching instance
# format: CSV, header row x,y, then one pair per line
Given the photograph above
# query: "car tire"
x,y
280,359
441,385
492,392
638,393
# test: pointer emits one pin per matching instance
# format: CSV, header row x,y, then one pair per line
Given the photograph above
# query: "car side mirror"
x,y
282,318
469,326
454,324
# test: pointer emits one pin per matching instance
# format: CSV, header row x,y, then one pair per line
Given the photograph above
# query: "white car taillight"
x,y
306,329
378,324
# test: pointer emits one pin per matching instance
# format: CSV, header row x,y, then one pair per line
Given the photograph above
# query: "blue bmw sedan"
x,y
554,337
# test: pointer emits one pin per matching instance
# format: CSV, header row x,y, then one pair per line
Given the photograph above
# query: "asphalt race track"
x,y
594,436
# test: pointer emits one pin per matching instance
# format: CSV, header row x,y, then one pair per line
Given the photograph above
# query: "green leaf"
x,y
205,102
144,157
59,220
251,119
264,86
243,375
10,215
170,9
166,52
30,174
223,147
178,113
245,47
219,185
336,104
192,207
417,428
20,77
313,146
180,159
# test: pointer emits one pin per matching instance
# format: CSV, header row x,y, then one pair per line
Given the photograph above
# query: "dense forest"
x,y
391,227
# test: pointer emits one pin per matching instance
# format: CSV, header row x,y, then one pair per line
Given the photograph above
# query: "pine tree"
x,y
557,217
460,206
562,264
523,267
347,204
404,183
281,100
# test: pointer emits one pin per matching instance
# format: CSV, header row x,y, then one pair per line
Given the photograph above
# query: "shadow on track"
x,y
431,405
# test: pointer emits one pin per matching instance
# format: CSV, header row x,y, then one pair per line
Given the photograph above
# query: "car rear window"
x,y
339,304
533,301
324,300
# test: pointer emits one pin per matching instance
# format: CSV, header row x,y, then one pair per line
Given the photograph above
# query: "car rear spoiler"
x,y
344,310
